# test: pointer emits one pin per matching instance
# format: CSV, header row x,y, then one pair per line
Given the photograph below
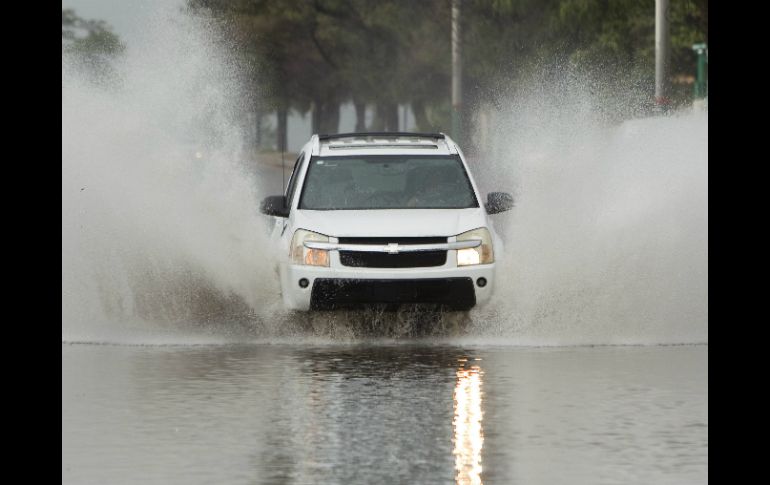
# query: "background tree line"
x,y
314,55
90,44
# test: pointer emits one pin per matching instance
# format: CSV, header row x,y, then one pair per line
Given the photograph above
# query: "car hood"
x,y
390,222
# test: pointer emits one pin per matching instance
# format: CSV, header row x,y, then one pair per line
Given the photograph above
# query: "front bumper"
x,y
334,293
341,287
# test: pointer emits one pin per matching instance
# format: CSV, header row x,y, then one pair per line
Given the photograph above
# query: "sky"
x,y
126,17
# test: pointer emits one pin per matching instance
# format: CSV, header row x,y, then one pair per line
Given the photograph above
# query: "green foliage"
x,y
92,38
316,53
90,44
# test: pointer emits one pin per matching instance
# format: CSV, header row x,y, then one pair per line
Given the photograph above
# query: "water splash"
x,y
159,198
608,242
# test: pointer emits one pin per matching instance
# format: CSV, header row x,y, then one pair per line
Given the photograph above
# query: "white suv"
x,y
384,218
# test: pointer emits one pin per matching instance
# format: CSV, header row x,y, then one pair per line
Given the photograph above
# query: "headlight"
x,y
312,257
480,254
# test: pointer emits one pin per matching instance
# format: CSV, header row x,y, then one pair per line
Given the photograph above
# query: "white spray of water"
x,y
150,232
608,242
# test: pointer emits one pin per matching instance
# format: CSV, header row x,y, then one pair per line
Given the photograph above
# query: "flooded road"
x,y
181,366
384,412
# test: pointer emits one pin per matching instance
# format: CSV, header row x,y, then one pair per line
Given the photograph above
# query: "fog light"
x,y
303,283
481,282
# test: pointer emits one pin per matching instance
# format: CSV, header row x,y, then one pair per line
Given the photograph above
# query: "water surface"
x,y
384,413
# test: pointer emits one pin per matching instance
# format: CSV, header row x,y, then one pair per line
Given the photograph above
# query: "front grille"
x,y
364,259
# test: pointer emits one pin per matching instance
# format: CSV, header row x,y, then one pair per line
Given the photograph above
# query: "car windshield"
x,y
387,182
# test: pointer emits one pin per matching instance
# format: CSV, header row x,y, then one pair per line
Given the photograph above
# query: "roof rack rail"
x,y
400,134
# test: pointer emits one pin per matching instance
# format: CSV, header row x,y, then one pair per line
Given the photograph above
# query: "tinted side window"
x,y
293,180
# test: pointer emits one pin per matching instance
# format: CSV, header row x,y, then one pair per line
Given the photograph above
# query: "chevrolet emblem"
x,y
392,248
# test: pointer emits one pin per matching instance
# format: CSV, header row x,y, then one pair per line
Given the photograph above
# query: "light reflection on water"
x,y
468,431
384,414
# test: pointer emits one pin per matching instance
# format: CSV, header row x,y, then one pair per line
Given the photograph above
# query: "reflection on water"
x,y
468,432
383,414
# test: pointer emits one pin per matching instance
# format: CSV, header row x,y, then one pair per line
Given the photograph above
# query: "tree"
x,y
316,54
90,44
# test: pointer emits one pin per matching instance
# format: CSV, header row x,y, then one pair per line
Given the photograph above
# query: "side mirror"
x,y
498,202
275,205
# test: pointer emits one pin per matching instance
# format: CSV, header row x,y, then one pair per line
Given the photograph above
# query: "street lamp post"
x,y
662,54
700,80
701,84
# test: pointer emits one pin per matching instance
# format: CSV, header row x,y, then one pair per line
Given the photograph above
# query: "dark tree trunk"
x,y
360,116
330,122
258,129
315,117
326,117
281,129
421,117
386,117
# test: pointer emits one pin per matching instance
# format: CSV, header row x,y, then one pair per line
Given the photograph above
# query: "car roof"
x,y
382,143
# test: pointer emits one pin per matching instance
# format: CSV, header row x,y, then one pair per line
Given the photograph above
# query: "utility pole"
x,y
662,54
457,101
